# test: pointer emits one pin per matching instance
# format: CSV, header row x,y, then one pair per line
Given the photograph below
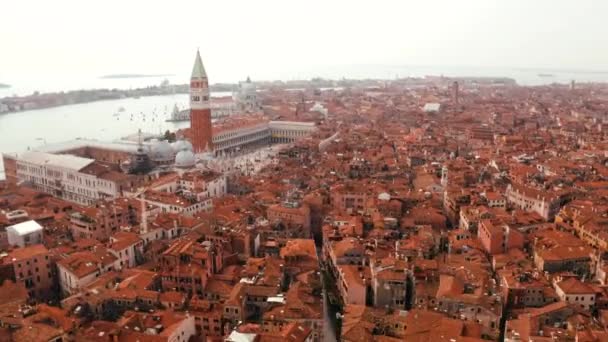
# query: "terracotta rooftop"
x,y
85,263
26,252
575,286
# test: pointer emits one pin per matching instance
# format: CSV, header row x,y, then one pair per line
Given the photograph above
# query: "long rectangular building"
x,y
237,134
85,171
70,177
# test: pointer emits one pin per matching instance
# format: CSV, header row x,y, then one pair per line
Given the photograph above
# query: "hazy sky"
x,y
265,36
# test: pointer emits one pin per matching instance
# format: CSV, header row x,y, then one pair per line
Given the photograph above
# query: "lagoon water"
x,y
27,84
97,120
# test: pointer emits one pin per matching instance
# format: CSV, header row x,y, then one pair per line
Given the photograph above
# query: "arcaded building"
x,y
238,131
85,171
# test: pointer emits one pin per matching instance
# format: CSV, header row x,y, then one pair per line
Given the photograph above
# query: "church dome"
x,y
125,165
181,145
185,159
161,151
384,196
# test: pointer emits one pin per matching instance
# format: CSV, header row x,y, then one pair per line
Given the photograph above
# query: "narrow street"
x,y
329,311
329,320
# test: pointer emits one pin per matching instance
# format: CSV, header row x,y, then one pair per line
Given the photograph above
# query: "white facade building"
x,y
265,132
24,234
182,331
214,186
181,206
221,107
62,175
576,292
232,139
544,203
189,193
246,98
82,268
126,249
288,131
70,283
432,107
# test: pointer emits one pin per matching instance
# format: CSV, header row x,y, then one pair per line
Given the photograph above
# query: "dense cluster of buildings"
x,y
408,210
85,171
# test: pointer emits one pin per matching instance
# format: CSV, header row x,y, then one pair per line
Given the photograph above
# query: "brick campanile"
x,y
200,111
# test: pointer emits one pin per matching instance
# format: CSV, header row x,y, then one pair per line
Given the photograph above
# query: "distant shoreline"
x,y
3,85
58,99
114,76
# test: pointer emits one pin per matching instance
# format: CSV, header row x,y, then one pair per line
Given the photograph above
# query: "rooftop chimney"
x,y
144,215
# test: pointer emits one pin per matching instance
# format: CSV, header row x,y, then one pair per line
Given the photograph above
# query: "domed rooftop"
x,y
161,151
384,196
207,156
185,159
181,145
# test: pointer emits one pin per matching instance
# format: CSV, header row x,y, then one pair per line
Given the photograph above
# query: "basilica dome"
x,y
181,145
185,159
161,151
384,196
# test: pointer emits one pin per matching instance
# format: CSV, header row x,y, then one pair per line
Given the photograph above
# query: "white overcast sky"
x,y
249,37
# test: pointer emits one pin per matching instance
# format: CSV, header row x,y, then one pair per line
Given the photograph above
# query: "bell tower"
x,y
200,110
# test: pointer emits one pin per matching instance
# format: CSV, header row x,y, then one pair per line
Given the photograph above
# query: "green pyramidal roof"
x,y
199,70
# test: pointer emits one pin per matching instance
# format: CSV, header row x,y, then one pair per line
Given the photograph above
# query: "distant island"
x,y
2,85
48,100
134,75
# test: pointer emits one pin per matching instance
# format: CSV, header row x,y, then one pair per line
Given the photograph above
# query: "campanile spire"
x,y
198,71
200,111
